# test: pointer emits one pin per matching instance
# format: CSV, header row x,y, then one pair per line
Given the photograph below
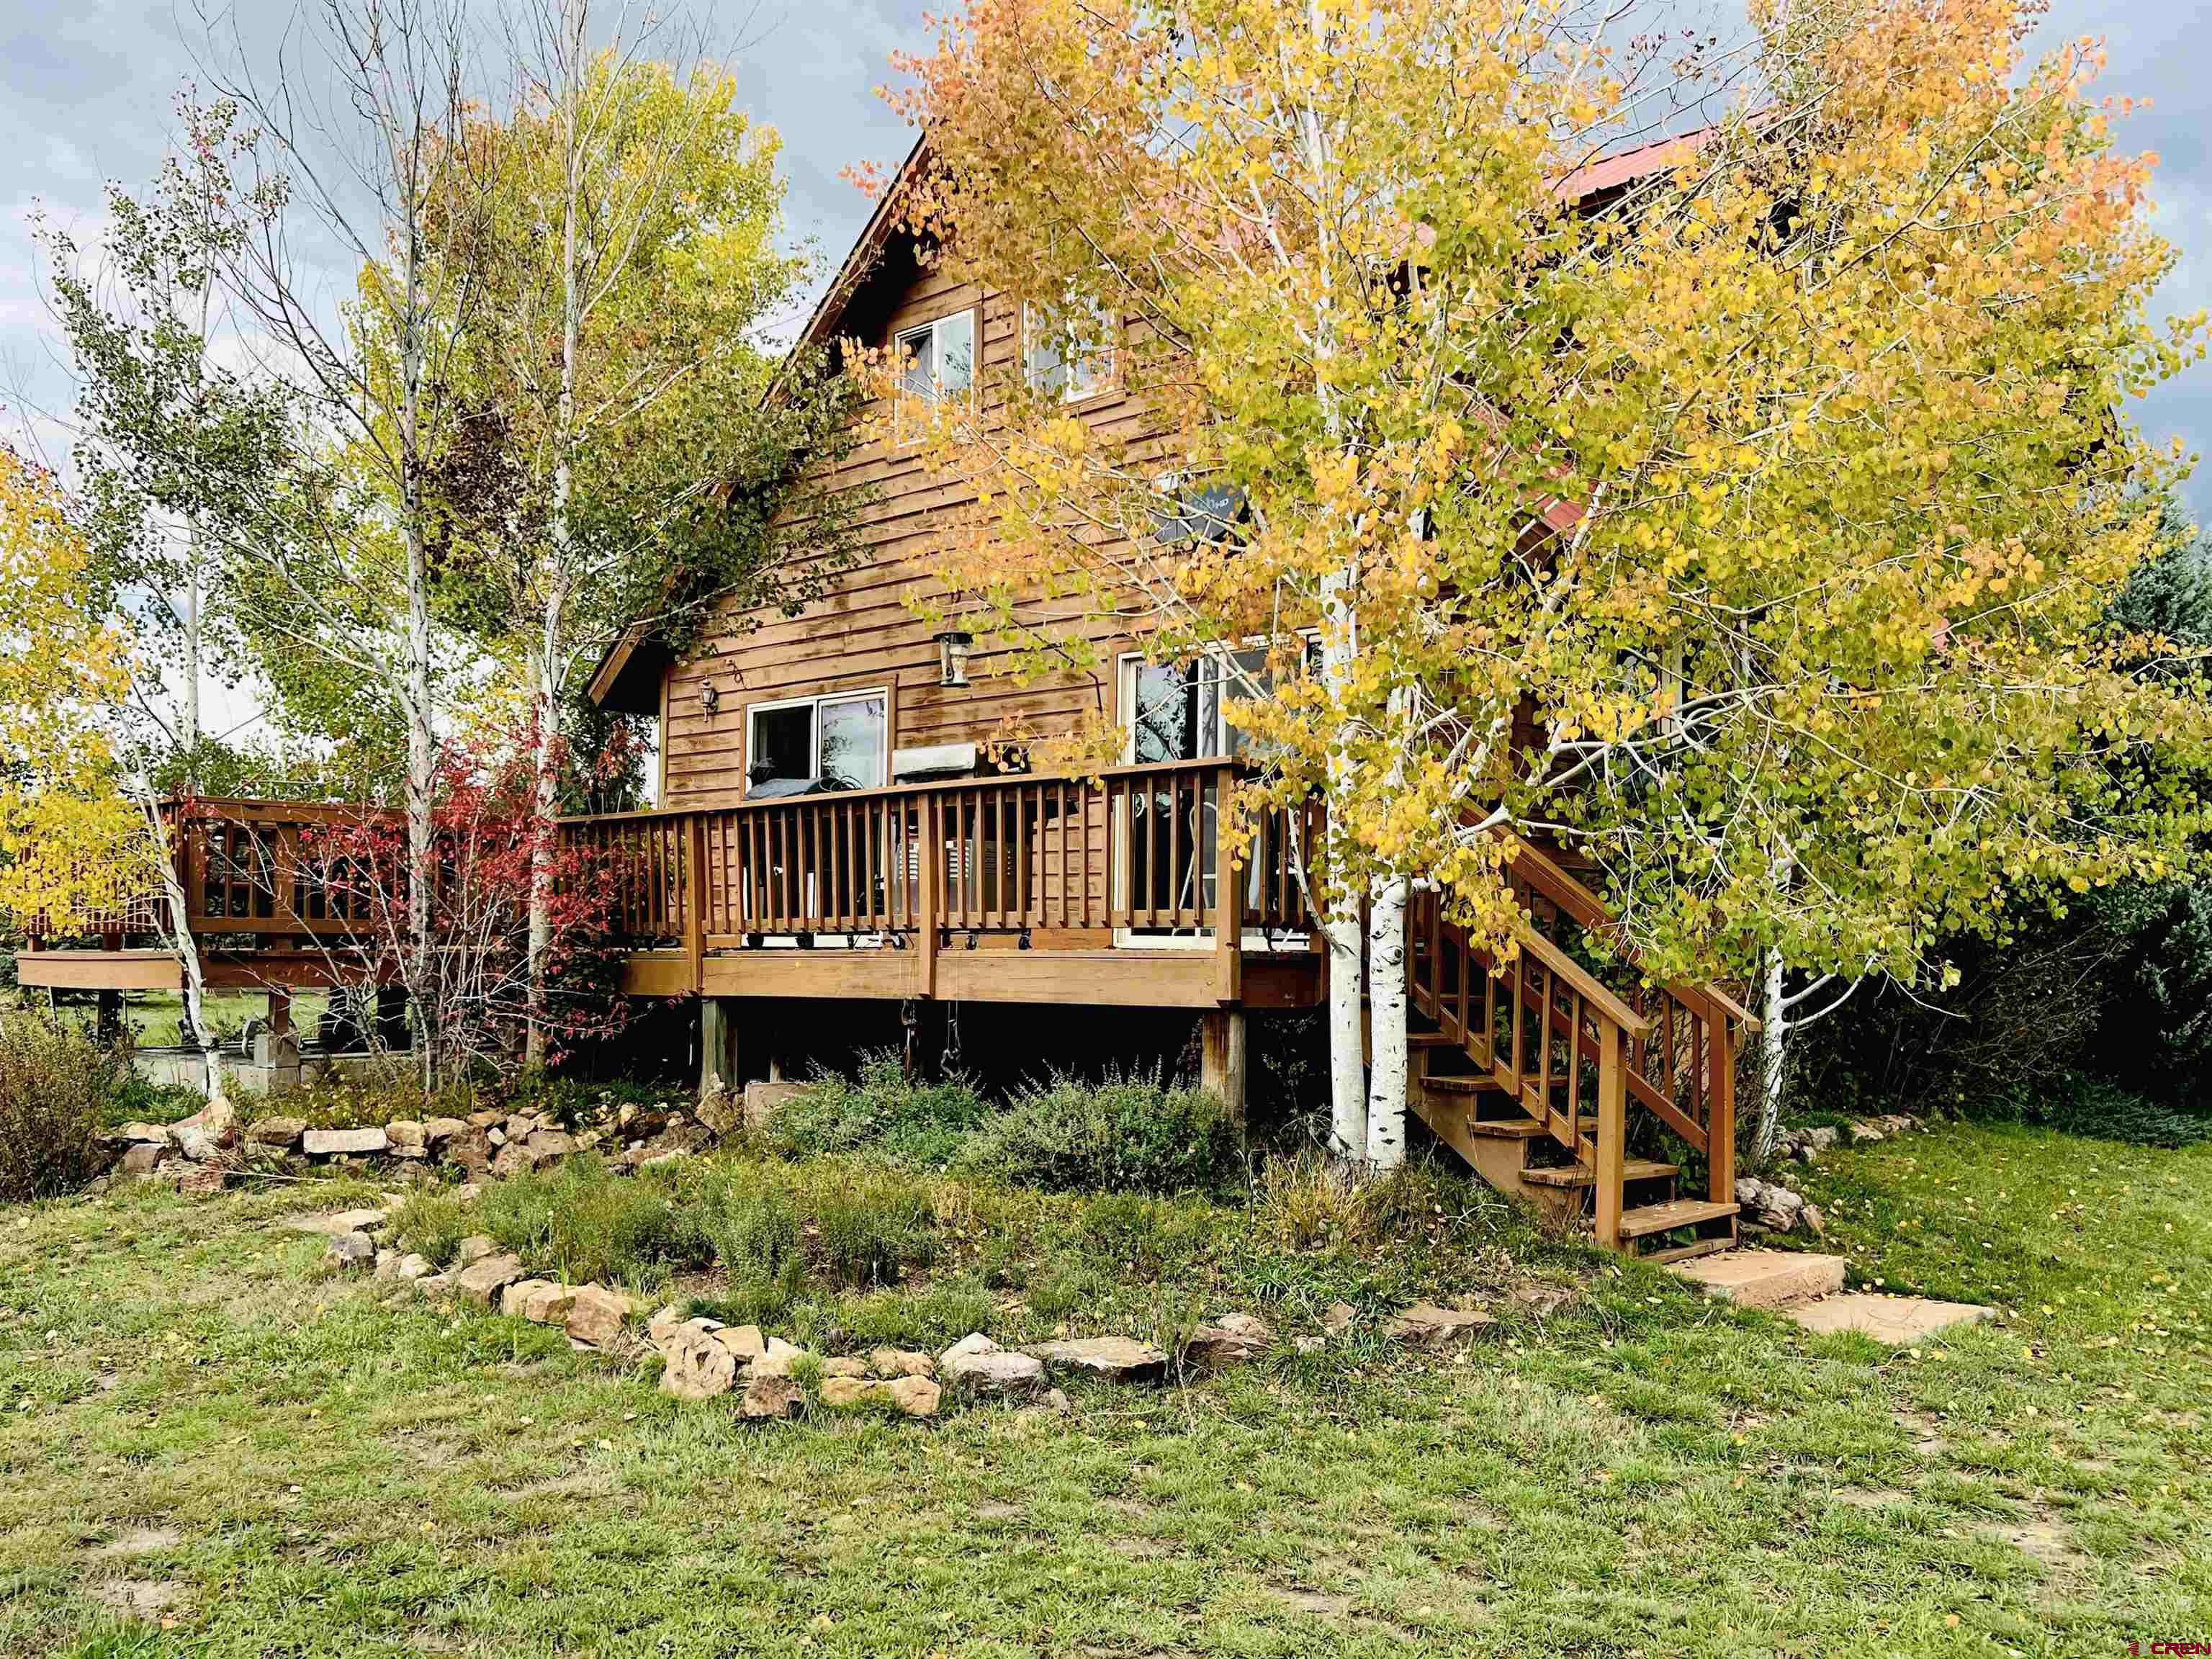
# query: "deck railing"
x,y
1134,851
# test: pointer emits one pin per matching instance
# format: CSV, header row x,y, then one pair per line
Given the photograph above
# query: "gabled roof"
x,y
628,676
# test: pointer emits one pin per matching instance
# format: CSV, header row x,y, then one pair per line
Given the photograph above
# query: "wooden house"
x,y
830,826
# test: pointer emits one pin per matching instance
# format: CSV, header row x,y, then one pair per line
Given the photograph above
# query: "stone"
x,y
1427,1325
777,1358
596,1315
844,1369
663,1325
549,1145
282,1133
541,1301
434,1283
143,1157
408,1137
1337,1318
1310,1344
1120,1358
1762,1279
388,1264
473,1248
324,1143
352,1250
195,1143
719,1111
340,1221
976,1362
900,1361
767,1398
698,1367
1821,1139
916,1396
1896,1321
202,1180
764,1099
413,1268
485,1120
470,1153
485,1278
150,1134
1863,1132
1054,1399
1231,1340
743,1340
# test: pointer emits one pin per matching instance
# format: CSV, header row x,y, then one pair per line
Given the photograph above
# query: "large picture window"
x,y
812,745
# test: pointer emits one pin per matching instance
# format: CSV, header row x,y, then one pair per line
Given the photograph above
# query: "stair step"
x,y
1508,1128
1665,1218
1460,1085
1576,1174
1430,1040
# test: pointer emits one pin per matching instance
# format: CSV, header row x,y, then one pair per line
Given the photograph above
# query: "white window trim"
x,y
908,398
815,705
1109,358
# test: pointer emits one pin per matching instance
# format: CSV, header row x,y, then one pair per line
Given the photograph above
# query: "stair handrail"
x,y
1548,877
1593,992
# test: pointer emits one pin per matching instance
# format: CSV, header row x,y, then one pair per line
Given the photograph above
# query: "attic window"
x,y
1072,359
938,360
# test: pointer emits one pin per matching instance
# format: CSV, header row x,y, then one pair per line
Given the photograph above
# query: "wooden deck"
x,y
1597,1094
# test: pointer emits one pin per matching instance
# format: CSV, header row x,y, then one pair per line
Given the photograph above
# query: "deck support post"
x,y
1221,1058
276,1049
717,1046
111,1015
1612,1133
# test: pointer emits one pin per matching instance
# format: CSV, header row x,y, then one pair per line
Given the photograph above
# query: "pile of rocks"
x,y
1772,1208
1806,1145
485,1143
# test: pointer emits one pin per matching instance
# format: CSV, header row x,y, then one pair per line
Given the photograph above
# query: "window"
x,y
1071,360
1179,711
940,359
815,745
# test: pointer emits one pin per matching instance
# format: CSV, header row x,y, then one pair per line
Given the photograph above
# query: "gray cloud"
x,y
86,85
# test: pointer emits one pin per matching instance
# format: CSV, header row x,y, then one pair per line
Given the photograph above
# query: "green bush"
x,y
585,1222
433,1225
871,1225
57,1088
1127,1134
918,1124
752,1225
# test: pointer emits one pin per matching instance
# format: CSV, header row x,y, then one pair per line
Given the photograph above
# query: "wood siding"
x,y
863,632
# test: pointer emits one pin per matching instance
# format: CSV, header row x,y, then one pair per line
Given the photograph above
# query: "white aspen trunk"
x,y
1348,1068
547,691
178,907
188,724
1774,1020
1388,1072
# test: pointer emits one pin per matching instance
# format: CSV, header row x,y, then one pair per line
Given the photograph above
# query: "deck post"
x,y
276,1049
1228,907
1221,1058
1612,1133
717,1057
1720,1122
695,899
928,897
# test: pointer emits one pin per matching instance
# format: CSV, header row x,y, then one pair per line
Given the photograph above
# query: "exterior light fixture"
x,y
710,696
952,648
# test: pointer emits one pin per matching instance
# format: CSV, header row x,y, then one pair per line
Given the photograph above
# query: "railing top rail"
x,y
1543,873
721,803
234,809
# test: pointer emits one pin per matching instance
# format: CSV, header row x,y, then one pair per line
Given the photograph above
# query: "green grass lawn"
x,y
194,1410
156,1017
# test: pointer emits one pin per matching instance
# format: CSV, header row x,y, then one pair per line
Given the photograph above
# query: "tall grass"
x,y
58,1085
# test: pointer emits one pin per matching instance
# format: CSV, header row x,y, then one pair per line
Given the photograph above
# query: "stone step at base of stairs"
x,y
1809,1289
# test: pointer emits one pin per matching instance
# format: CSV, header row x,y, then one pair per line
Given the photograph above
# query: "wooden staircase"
x,y
1539,1075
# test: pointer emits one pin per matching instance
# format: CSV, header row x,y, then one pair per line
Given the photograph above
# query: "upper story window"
x,y
939,360
1073,359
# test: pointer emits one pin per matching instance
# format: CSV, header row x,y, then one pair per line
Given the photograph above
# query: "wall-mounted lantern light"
x,y
710,695
952,648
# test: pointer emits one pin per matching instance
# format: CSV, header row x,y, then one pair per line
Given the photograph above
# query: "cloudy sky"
x,y
85,88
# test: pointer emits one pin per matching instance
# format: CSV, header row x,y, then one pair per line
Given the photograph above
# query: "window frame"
x,y
814,706
907,398
1108,359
